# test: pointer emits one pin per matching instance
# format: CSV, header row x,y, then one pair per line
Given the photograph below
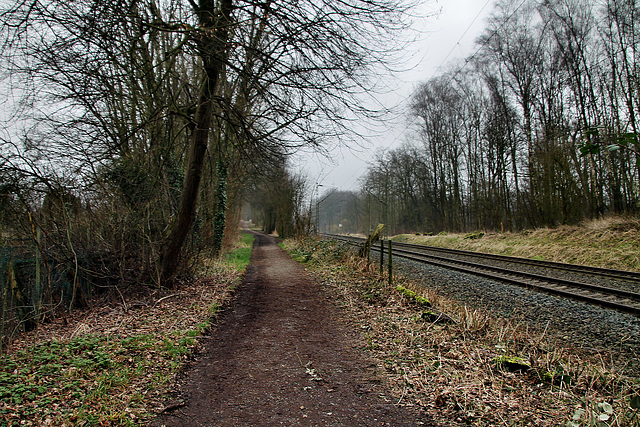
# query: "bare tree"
x,y
539,127
305,64
197,87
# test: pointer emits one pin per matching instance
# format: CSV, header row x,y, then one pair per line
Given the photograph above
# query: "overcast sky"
x,y
446,37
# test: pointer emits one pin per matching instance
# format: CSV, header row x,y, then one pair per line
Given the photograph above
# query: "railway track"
x,y
624,300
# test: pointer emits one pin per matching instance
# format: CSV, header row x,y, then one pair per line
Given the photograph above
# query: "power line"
x,y
387,146
460,69
487,40
472,56
461,37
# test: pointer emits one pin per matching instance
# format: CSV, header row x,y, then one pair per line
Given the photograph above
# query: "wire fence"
x,y
34,286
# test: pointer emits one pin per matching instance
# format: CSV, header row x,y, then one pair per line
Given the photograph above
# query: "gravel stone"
x,y
574,323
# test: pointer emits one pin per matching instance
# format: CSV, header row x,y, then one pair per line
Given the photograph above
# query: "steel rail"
x,y
596,294
575,268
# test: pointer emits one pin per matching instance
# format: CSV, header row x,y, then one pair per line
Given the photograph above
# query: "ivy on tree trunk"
x,y
212,40
221,208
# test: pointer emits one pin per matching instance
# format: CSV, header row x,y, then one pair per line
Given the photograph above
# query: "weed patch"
x,y
61,381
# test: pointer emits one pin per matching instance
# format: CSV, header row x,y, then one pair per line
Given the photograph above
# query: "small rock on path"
x,y
282,355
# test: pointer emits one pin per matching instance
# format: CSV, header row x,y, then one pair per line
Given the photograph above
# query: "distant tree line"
x,y
538,128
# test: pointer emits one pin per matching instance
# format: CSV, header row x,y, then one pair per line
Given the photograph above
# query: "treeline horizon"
x,y
538,128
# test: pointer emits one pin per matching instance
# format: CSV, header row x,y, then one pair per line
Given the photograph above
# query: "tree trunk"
x,y
213,50
220,217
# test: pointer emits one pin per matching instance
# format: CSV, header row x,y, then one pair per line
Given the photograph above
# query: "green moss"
x,y
474,236
511,363
413,297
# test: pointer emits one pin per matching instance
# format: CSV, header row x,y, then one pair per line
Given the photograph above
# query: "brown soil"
x,y
281,354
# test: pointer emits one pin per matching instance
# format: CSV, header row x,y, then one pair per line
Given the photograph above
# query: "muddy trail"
x,y
281,354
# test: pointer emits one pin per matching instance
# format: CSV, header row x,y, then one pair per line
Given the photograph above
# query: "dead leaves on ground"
x,y
108,365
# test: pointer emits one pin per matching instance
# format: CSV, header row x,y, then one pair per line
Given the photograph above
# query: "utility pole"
x,y
317,221
333,190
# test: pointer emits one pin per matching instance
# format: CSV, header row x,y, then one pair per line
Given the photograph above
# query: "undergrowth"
x,y
109,366
88,380
476,369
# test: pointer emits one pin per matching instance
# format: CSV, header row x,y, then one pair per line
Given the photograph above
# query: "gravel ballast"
x,y
573,323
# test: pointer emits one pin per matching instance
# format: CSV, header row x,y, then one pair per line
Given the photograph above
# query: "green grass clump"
x,y
239,257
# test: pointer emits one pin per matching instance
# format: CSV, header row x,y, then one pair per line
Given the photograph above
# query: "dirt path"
x,y
282,355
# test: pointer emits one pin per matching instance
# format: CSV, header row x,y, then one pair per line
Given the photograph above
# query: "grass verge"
x,y
111,364
472,369
612,242
239,257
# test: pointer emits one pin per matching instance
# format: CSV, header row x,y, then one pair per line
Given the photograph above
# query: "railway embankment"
x,y
612,242
579,360
594,309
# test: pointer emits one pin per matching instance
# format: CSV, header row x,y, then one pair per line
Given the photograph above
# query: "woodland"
x,y
538,128
133,130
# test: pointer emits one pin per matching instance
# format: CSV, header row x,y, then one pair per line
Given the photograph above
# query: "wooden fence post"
x,y
390,264
366,247
37,301
381,256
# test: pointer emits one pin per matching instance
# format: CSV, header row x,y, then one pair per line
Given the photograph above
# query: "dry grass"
x,y
612,242
452,370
